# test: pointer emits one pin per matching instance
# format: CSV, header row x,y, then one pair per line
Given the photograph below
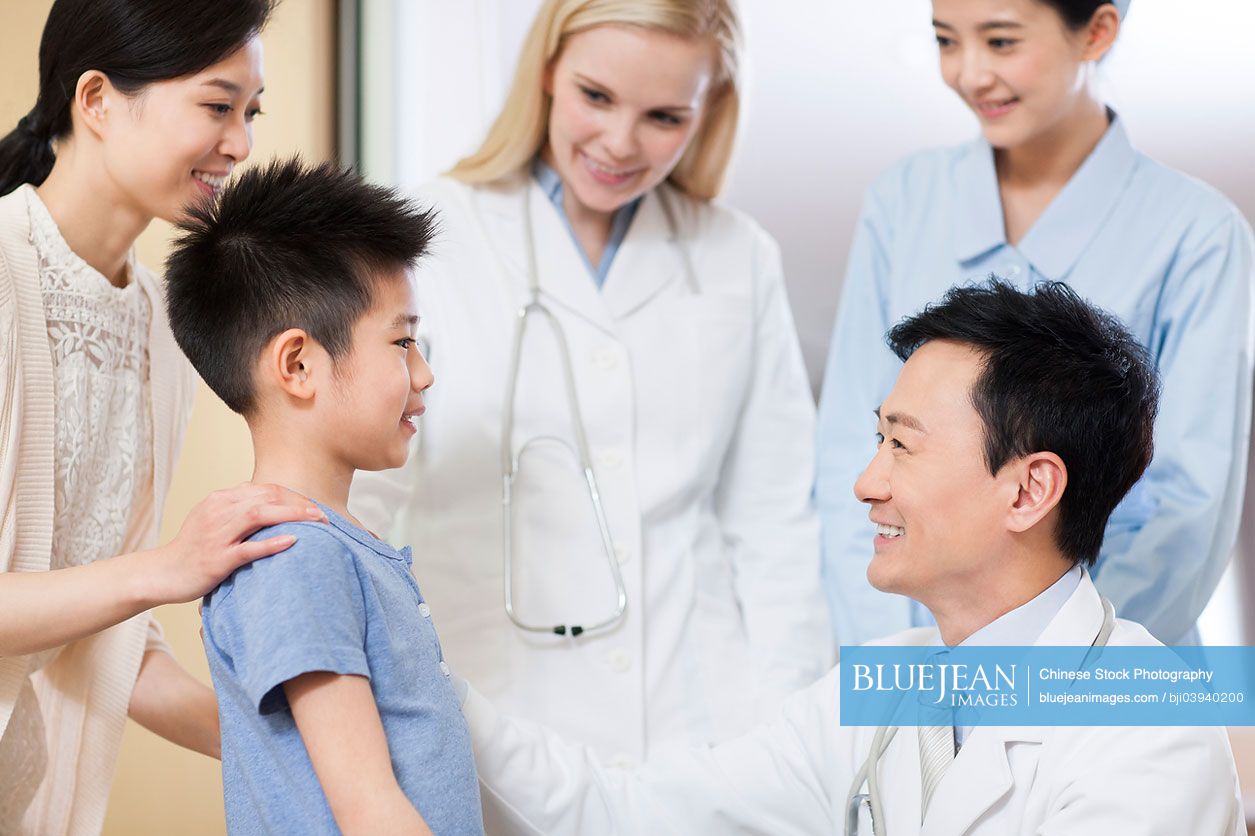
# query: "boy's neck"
x,y
313,476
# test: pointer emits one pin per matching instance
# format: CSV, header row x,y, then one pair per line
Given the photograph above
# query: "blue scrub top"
x,y
1167,254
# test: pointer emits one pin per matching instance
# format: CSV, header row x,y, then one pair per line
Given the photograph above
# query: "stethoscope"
x,y
866,774
510,457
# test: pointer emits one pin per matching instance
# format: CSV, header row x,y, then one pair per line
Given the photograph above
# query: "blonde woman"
x,y
672,591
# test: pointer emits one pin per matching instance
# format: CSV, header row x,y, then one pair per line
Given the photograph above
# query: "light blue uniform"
x,y
1168,255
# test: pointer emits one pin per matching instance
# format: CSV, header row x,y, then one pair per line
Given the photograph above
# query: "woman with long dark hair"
x,y
144,106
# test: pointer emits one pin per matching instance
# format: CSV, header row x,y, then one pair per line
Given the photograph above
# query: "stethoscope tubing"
x,y
510,458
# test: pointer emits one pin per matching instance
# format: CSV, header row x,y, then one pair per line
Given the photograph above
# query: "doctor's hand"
x,y
212,543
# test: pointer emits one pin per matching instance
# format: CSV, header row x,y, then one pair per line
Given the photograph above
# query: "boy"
x,y
291,298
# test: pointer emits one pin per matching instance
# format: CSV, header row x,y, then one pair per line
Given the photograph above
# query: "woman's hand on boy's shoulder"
x,y
213,540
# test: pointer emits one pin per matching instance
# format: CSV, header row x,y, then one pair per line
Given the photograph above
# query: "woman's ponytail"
x,y
26,154
134,43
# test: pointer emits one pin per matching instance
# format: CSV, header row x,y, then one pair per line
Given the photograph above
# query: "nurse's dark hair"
x,y
1059,376
1075,13
134,43
287,245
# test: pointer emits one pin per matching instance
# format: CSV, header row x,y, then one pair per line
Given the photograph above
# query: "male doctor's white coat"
x,y
791,777
700,423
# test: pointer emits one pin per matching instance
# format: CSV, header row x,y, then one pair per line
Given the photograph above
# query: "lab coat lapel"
x,y
648,260
978,779
981,773
900,780
564,279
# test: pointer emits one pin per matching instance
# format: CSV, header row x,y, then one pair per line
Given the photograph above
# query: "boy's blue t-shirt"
x,y
338,600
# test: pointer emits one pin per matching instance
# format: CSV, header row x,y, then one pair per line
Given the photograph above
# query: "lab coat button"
x,y
444,667
619,661
622,553
424,610
610,459
605,358
622,761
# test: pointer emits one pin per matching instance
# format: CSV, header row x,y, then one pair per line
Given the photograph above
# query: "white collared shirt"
x,y
1022,625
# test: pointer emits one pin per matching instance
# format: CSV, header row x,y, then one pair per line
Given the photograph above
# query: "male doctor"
x,y
1017,423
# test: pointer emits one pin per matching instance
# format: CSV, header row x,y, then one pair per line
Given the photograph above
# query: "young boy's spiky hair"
x,y
287,245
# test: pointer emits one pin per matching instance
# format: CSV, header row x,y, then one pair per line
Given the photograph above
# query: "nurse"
x,y
1054,190
596,184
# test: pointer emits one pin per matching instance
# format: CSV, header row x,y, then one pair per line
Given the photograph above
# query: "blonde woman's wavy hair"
x,y
521,129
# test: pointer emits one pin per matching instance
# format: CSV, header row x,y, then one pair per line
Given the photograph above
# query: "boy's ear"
x,y
288,363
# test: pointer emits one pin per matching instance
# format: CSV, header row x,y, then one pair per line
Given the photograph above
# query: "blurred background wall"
x,y
836,91
159,788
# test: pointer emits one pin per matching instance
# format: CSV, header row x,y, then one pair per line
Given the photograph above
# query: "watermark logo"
x,y
940,683
1048,686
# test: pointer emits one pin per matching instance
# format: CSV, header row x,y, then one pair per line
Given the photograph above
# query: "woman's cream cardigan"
x,y
83,693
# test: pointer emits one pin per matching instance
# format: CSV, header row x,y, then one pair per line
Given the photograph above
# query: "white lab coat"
x,y
792,776
700,422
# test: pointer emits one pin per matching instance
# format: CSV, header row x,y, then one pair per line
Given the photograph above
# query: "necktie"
x,y
936,744
936,753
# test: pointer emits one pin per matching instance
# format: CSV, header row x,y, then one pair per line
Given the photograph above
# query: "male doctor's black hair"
x,y
134,43
1059,376
287,245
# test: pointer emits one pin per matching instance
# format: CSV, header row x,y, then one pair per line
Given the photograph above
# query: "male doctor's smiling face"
x,y
939,514
1018,65
626,101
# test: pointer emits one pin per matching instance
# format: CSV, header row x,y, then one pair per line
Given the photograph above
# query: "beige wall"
x,y
159,788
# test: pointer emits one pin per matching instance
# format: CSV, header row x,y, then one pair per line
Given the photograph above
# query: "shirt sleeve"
x,y
775,779
297,612
13,669
1169,540
858,375
10,429
155,638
